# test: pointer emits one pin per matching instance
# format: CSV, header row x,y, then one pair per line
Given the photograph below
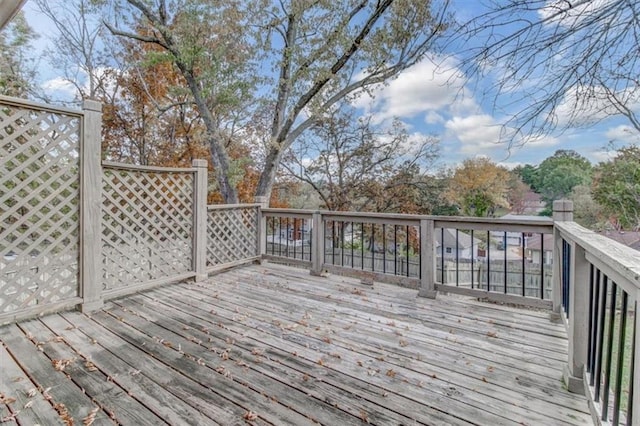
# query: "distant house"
x,y
448,244
514,238
628,238
535,245
532,203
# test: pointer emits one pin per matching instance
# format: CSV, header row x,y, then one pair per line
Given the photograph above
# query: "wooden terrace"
x,y
270,344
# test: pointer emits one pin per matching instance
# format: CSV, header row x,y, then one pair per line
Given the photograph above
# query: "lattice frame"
x,y
231,235
39,207
147,226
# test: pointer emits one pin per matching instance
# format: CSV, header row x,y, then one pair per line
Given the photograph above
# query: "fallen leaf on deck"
x,y
391,373
403,342
88,421
492,334
250,416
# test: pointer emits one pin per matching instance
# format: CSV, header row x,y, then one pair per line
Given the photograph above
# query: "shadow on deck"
x,y
273,345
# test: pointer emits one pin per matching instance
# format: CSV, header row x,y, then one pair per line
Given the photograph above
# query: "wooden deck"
x,y
274,345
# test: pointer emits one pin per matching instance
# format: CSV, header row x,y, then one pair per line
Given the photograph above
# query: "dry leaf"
x,y
250,416
403,342
90,366
88,421
61,364
391,373
492,334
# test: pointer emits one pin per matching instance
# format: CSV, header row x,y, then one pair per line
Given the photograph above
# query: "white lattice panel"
x,y
147,226
231,235
39,199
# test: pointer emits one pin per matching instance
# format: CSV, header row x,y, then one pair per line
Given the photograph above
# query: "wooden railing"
x,y
597,295
472,256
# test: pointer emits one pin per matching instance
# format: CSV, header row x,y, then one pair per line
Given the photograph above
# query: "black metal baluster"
x,y
373,247
407,231
506,290
600,342
473,255
594,298
488,261
617,392
524,276
287,228
342,243
419,254
607,372
442,255
395,249
457,259
352,243
362,245
542,262
384,248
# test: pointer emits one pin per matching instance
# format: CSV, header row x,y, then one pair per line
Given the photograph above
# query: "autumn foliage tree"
x,y
479,186
353,165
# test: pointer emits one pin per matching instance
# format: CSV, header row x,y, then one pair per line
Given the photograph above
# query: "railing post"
x,y
261,243
200,220
562,212
578,319
427,259
91,207
317,241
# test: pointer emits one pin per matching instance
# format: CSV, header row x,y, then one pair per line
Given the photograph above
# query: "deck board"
x,y
269,344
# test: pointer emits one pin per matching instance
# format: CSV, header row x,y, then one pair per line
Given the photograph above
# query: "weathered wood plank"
x,y
313,374
71,402
236,393
139,385
137,361
368,340
30,406
298,375
116,402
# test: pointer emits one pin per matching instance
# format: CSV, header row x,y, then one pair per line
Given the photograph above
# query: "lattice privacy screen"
x,y
231,235
147,226
39,207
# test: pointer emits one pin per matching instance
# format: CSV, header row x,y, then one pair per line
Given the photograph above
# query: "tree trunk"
x,y
268,175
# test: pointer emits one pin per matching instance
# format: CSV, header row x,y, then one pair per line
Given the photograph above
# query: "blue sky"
x,y
434,98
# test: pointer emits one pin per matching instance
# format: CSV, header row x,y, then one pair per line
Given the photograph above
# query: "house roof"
x,y
534,242
464,239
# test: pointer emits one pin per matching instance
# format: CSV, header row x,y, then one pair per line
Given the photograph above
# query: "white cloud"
x,y
623,133
568,14
433,85
477,133
59,86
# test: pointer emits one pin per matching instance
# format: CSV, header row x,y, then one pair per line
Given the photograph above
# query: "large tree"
x,y
616,187
479,186
559,174
17,70
313,54
561,63
353,165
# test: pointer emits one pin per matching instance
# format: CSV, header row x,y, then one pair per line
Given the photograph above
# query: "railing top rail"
x,y
541,225
17,102
231,206
620,261
137,168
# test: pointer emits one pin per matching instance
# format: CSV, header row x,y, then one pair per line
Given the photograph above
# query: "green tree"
x,y
17,70
616,187
586,211
312,55
560,173
479,186
528,174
